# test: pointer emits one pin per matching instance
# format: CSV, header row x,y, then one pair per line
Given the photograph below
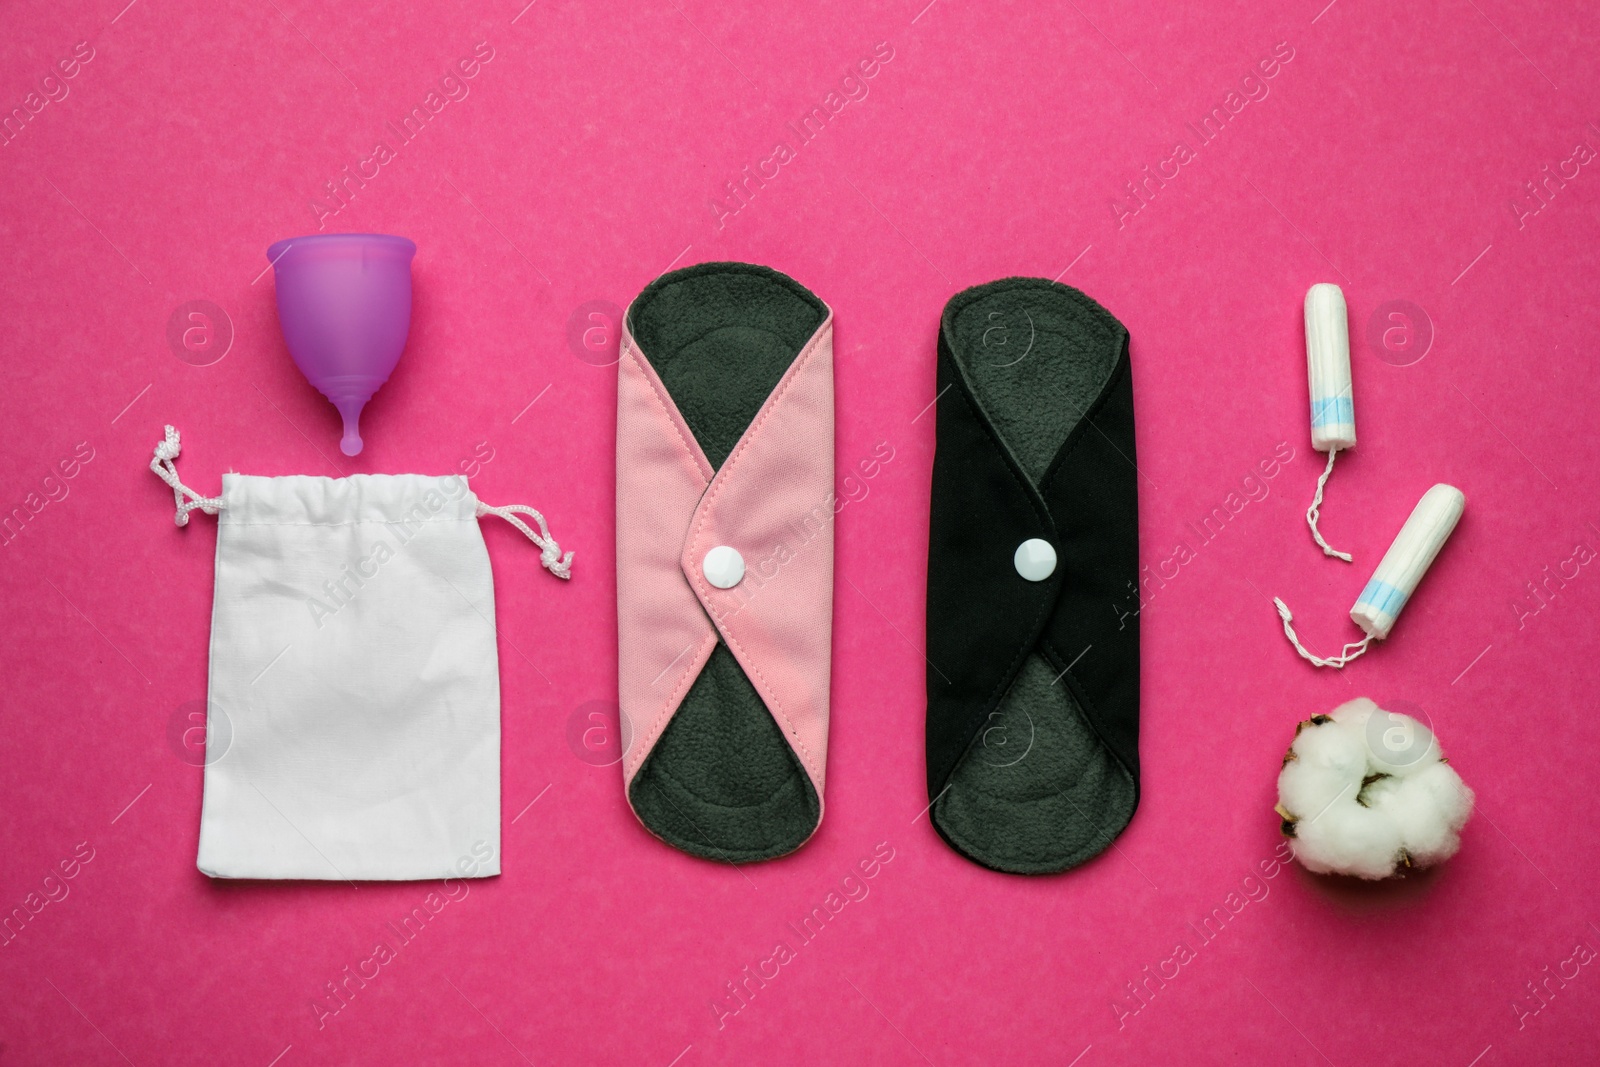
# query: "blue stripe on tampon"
x,y
1381,596
1333,411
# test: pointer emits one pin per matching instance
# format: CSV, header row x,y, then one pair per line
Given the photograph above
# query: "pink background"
x,y
1388,155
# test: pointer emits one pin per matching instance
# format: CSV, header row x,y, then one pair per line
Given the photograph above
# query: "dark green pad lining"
x,y
1035,364
722,781
1037,792
721,335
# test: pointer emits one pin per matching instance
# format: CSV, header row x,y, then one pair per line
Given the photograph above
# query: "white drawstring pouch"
x,y
353,706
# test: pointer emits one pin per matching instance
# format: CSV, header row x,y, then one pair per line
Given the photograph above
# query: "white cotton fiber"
x,y
1395,744
1348,839
1366,792
1302,787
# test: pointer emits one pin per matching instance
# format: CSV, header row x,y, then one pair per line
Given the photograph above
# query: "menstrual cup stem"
x,y
350,411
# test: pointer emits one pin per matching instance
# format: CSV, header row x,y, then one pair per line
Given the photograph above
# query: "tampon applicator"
x,y
1402,567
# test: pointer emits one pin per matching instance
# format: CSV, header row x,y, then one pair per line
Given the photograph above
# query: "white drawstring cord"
x,y
550,556
167,471
1345,655
1314,511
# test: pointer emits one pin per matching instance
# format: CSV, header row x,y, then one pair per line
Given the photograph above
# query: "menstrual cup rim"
x,y
384,241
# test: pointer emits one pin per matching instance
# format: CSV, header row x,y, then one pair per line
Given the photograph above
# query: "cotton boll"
x,y
1400,745
1320,744
1450,793
1366,792
1396,744
1429,808
1348,839
1305,788
1353,714
1412,809
1321,766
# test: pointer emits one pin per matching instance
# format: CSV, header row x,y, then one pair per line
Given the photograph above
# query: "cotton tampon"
x,y
1410,555
1333,414
1333,419
1408,559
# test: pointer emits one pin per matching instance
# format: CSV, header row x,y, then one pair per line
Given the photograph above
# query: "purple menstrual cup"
x,y
344,305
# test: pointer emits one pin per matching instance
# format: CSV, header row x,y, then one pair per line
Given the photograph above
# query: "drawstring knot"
x,y
168,450
550,556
